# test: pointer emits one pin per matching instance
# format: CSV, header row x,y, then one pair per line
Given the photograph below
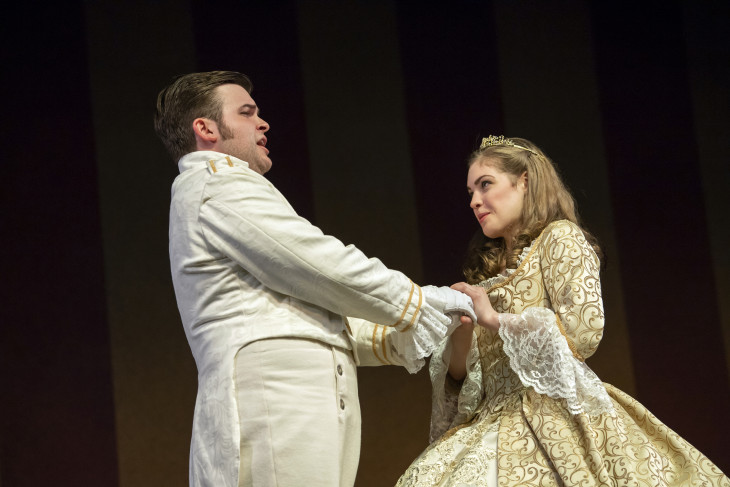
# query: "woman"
x,y
514,402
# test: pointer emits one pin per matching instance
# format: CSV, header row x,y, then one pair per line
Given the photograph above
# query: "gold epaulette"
x,y
213,169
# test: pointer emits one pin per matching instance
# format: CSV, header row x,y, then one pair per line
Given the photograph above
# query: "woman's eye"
x,y
484,184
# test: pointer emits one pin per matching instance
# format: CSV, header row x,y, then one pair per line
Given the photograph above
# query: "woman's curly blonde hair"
x,y
547,200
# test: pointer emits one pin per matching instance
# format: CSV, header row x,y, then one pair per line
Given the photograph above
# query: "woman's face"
x,y
496,198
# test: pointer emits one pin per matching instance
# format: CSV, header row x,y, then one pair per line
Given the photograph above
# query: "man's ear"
x,y
206,133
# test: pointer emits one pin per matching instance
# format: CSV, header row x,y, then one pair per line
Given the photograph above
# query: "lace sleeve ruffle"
x,y
412,346
541,357
453,405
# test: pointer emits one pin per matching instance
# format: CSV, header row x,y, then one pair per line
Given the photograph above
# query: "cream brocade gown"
x,y
530,412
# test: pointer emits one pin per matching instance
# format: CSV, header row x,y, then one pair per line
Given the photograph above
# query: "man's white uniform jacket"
x,y
245,266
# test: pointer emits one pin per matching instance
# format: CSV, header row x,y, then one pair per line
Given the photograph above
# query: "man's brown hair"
x,y
188,97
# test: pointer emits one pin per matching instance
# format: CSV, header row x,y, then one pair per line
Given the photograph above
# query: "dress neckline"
x,y
504,278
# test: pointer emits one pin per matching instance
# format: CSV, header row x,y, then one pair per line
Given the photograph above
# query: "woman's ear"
x,y
523,181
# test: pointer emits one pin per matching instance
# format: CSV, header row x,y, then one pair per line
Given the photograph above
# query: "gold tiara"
x,y
501,140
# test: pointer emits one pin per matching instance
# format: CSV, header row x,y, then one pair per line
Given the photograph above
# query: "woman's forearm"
x,y
460,346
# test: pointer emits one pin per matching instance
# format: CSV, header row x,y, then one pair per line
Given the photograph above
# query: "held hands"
x,y
461,338
486,316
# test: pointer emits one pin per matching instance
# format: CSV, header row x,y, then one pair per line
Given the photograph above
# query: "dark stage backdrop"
x,y
374,107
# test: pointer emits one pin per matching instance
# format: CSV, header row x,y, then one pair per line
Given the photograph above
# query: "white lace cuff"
x,y
439,316
540,356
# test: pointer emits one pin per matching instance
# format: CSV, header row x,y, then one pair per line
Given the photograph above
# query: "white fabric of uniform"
x,y
246,267
297,400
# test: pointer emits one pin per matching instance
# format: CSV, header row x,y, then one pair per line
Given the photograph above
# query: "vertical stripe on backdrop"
x,y
364,192
452,100
708,53
57,406
661,224
356,127
152,365
550,96
260,40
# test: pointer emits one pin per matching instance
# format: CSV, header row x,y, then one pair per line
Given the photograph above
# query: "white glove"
x,y
450,302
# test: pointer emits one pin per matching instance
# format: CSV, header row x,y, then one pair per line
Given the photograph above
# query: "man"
x,y
263,293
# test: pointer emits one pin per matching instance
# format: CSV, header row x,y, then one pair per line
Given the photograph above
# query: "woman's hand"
x,y
486,316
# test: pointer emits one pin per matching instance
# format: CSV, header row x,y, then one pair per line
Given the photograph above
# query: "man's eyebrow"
x,y
248,105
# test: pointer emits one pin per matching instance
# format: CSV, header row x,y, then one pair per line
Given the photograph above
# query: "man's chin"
x,y
264,165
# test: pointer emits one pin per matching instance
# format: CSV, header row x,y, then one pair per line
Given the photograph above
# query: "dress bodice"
x,y
558,271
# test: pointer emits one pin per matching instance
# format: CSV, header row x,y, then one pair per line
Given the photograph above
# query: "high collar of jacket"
x,y
202,157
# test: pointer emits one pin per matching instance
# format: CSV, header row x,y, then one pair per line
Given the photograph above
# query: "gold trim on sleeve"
x,y
347,324
383,346
571,345
375,331
418,309
375,348
408,304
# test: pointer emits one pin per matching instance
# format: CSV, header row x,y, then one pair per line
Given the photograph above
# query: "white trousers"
x,y
299,414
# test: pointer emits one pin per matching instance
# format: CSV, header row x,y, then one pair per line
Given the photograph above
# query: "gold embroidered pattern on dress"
x,y
571,345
